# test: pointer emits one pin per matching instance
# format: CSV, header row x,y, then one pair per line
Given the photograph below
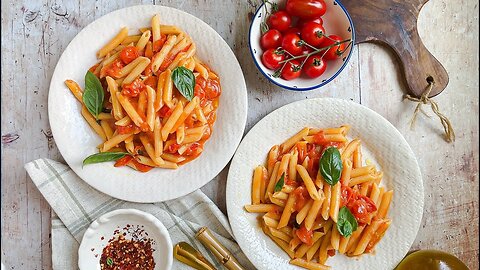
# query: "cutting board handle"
x,y
419,65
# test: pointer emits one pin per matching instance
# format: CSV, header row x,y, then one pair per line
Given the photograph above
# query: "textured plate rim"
x,y
233,211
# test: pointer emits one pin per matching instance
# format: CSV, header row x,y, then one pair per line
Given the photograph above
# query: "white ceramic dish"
x,y
381,143
105,225
335,21
76,140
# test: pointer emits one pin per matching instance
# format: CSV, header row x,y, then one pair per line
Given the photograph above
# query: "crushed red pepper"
x,y
134,253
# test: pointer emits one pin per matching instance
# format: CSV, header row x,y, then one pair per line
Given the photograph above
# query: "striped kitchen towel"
x,y
76,205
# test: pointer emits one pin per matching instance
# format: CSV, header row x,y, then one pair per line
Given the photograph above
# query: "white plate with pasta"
x,y
147,103
324,184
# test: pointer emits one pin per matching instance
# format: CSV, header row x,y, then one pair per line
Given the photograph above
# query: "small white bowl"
x,y
336,21
101,230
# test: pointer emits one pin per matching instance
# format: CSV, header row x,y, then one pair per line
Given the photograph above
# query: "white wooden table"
x,y
35,33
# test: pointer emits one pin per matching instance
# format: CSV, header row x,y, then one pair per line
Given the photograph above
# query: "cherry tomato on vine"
x,y
315,66
336,51
294,30
292,70
279,20
306,9
291,43
271,58
313,33
305,50
301,23
272,39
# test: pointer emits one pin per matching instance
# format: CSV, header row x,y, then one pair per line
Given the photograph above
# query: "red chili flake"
x,y
130,252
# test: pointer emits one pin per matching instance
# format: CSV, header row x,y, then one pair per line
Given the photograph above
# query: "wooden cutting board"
x,y
394,24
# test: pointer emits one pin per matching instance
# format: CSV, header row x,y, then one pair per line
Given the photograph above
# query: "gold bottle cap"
x,y
223,255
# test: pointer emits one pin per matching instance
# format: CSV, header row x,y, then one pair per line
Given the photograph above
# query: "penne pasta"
x,y
117,40
75,89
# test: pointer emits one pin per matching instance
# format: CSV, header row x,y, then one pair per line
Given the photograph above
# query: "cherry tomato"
x,y
301,23
313,33
291,43
272,39
336,51
362,209
128,54
294,30
301,195
212,90
305,50
271,58
123,161
279,20
134,88
291,70
306,9
306,236
315,66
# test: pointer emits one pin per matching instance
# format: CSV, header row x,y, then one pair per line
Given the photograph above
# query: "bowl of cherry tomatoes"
x,y
301,44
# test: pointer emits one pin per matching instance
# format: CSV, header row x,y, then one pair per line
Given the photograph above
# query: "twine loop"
x,y
424,99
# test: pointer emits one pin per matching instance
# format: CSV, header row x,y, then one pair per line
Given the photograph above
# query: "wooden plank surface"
x,y
34,34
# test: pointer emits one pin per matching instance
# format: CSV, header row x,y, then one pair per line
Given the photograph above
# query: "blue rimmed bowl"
x,y
336,21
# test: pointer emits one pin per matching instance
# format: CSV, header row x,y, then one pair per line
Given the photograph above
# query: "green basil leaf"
x,y
346,222
109,261
93,94
104,157
280,183
184,81
331,165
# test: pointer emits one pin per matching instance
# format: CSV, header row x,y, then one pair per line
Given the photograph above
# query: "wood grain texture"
x,y
393,23
35,34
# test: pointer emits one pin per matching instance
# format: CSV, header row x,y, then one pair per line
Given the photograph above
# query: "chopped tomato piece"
x,y
151,81
212,90
123,161
92,69
201,82
134,88
128,54
173,148
131,128
301,195
191,149
141,167
165,111
157,45
362,209
347,196
113,70
306,236
331,252
319,138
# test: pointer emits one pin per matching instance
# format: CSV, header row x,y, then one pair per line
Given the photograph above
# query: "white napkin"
x,y
76,205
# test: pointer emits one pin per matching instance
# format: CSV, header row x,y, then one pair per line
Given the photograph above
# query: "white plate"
x,y
76,140
381,143
102,229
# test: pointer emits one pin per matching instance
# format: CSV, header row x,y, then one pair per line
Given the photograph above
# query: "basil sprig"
x,y
280,183
331,165
184,81
93,94
346,222
104,157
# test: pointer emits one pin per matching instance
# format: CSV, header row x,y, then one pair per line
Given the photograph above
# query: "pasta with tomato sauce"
x,y
159,99
317,197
